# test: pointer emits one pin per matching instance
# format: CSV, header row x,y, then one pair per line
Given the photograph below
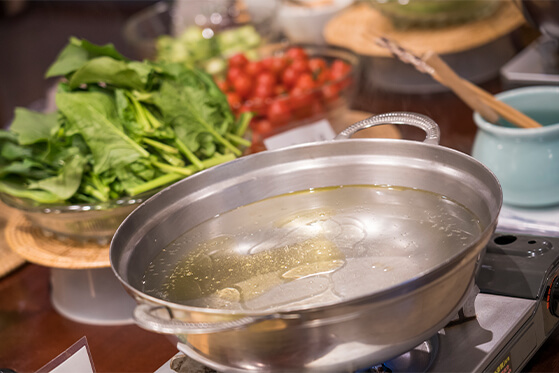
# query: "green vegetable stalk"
x,y
121,128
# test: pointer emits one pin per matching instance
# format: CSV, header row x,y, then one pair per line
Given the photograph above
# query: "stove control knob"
x,y
553,296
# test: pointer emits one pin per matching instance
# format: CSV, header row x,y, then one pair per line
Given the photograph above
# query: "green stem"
x,y
175,175
140,115
159,145
188,154
155,183
186,171
237,139
156,123
243,122
95,193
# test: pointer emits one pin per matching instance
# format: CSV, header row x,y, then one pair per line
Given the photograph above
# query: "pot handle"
x,y
145,316
427,124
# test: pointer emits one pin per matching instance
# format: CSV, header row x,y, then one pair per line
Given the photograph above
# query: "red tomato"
x,y
279,90
301,102
264,91
257,105
233,73
330,92
305,82
262,126
300,65
223,85
238,60
322,76
317,64
294,53
253,68
278,65
299,97
279,112
266,78
234,100
289,77
267,63
243,85
339,69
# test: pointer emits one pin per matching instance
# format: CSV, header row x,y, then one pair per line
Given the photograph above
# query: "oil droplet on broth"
x,y
311,247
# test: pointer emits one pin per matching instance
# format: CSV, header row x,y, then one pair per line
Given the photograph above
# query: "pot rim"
x,y
398,289
551,129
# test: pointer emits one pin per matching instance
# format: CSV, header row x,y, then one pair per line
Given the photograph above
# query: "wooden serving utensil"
x,y
475,97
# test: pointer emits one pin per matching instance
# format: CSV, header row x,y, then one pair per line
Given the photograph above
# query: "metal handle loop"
x,y
427,124
145,317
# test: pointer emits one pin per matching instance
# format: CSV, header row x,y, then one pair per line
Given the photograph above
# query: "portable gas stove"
x,y
516,309
537,64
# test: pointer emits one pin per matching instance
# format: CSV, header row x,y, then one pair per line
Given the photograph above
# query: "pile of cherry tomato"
x,y
282,89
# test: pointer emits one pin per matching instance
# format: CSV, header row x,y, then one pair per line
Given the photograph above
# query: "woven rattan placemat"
x,y
30,243
9,260
349,27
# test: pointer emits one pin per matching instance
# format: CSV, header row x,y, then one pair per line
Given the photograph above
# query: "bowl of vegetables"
x,y
201,32
290,86
122,130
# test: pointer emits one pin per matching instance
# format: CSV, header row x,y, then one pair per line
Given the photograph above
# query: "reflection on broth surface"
x,y
311,247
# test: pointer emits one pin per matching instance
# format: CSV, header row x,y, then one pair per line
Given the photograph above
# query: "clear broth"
x,y
310,248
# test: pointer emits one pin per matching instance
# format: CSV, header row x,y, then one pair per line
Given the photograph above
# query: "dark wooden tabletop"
x,y
31,332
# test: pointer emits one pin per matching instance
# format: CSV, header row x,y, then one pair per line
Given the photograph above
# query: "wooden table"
x,y
31,331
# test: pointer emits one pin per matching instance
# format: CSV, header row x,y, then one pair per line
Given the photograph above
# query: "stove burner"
x,y
419,359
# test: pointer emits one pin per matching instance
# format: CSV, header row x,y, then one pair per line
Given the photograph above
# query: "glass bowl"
x,y
434,13
166,30
82,223
328,102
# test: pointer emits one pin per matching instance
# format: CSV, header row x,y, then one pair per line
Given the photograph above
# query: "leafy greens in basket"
x,y
121,128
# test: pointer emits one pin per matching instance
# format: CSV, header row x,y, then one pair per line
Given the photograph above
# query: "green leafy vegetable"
x,y
121,128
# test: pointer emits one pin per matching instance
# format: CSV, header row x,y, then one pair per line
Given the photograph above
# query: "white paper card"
x,y
75,359
317,131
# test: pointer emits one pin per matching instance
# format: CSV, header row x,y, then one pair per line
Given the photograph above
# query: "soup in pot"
x,y
311,248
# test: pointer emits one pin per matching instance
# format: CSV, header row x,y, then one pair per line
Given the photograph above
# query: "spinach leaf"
x,y
65,184
77,53
32,127
111,71
17,189
89,112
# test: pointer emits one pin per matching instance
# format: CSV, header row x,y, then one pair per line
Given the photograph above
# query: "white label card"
x,y
317,131
75,359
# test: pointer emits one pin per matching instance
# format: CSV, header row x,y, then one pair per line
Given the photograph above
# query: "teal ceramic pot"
x,y
526,161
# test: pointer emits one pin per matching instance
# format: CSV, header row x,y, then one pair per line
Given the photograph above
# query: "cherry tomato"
x,y
294,53
317,64
330,92
253,68
339,69
257,105
322,76
266,78
305,82
262,126
243,85
300,65
279,112
289,77
238,60
233,73
301,102
223,85
234,100
264,91
278,65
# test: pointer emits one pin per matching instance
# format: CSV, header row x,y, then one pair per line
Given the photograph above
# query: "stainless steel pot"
x,y
339,337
